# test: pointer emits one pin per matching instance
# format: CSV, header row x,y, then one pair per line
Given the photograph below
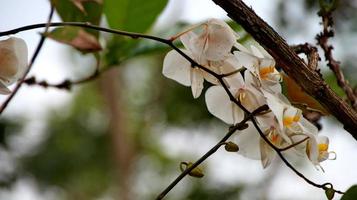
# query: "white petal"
x,y
220,40
235,81
312,150
323,140
22,55
266,62
248,142
274,88
276,106
263,51
187,40
256,51
177,67
247,60
196,82
308,127
241,48
219,105
251,79
267,153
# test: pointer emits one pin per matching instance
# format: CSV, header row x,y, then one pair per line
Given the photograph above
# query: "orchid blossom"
x,y
220,105
317,150
209,45
261,65
210,48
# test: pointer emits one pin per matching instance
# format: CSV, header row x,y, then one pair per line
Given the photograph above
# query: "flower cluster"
x,y
13,62
251,78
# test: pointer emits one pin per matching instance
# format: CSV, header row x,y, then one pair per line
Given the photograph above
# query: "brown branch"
x,y
311,53
288,60
334,65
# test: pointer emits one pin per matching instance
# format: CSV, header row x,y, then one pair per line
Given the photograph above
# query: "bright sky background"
x,y
53,64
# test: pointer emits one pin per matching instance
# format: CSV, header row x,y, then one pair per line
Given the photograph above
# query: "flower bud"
x,y
196,172
330,193
231,147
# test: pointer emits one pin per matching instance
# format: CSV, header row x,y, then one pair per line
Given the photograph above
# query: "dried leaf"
x,y
297,95
77,38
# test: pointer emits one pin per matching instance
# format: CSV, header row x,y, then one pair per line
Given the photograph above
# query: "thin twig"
x,y
211,151
322,39
33,59
311,53
66,84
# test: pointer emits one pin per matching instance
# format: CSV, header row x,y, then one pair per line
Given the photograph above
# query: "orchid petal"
x,y
22,55
248,141
241,48
247,60
312,150
196,82
266,152
256,51
177,68
219,105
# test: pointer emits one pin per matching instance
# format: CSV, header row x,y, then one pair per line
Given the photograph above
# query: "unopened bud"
x,y
330,193
231,147
195,172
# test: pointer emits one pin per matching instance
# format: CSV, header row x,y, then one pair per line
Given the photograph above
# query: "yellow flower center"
x,y
323,147
288,120
265,71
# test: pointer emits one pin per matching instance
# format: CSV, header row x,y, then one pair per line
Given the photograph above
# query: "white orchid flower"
x,y
261,65
13,62
317,150
213,40
219,104
210,48
289,117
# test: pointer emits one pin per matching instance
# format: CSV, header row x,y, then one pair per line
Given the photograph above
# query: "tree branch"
x,y
334,65
288,60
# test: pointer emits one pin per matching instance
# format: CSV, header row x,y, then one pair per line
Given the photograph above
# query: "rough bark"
x,y
289,61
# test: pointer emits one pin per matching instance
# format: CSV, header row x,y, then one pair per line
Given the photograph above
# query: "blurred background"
x,y
123,135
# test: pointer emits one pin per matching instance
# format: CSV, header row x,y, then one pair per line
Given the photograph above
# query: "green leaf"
x,y
351,193
133,15
69,11
77,38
